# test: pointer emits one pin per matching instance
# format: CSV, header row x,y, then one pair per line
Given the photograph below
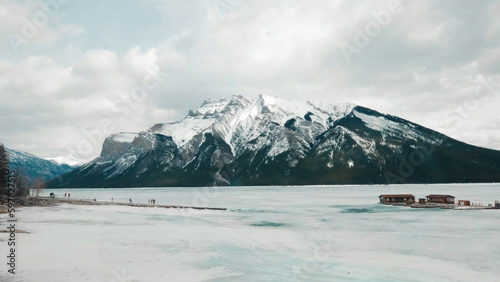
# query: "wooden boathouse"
x,y
390,199
440,199
464,203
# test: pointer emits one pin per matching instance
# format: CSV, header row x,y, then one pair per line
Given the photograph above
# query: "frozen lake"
x,y
320,233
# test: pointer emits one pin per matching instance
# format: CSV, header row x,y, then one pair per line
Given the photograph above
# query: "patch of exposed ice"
x,y
271,234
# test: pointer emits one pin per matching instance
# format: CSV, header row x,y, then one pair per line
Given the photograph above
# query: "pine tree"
x,y
4,167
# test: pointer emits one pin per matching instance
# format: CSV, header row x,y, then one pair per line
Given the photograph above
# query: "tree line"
x,y
23,184
4,167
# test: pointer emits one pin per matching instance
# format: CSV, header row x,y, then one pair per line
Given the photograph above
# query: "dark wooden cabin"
x,y
397,199
440,199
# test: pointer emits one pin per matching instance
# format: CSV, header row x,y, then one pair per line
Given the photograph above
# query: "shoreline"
x,y
273,185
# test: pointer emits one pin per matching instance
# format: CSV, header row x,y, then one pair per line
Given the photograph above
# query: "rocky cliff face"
x,y
271,141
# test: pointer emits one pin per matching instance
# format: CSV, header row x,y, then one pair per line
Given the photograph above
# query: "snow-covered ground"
x,y
328,233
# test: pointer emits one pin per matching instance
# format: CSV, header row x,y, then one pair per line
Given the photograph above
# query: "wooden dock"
x,y
451,207
435,201
432,206
56,201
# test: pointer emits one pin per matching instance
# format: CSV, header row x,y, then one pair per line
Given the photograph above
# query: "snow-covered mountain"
x,y
67,160
32,167
271,141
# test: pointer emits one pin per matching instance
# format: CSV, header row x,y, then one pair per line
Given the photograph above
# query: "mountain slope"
x,y
271,141
385,149
32,167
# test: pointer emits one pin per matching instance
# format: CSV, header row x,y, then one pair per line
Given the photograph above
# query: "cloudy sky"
x,y
73,72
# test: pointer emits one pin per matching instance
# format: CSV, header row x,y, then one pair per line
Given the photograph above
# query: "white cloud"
x,y
421,66
31,26
59,104
70,30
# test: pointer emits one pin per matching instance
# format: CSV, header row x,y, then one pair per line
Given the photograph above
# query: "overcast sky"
x,y
73,72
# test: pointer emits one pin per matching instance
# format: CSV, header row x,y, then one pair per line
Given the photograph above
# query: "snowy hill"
x,y
271,141
33,167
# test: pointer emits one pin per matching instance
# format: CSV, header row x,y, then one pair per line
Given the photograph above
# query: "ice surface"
x,y
320,233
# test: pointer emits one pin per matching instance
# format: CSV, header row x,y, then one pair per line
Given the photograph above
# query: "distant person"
x,y
69,195
94,199
130,200
64,195
149,201
111,199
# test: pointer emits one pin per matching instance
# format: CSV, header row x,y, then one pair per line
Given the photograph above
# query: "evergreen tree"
x,y
4,167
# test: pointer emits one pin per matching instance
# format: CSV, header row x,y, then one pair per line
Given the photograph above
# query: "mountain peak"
x,y
237,97
213,102
209,107
266,99
332,108
273,141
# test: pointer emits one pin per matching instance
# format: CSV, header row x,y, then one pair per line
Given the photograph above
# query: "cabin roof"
x,y
439,196
397,196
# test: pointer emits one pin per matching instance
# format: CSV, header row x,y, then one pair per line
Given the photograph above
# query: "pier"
x,y
435,201
138,205
48,201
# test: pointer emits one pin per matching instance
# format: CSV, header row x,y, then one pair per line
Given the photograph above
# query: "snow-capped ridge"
x,y
241,119
211,106
337,110
391,126
124,137
273,141
66,159
33,168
